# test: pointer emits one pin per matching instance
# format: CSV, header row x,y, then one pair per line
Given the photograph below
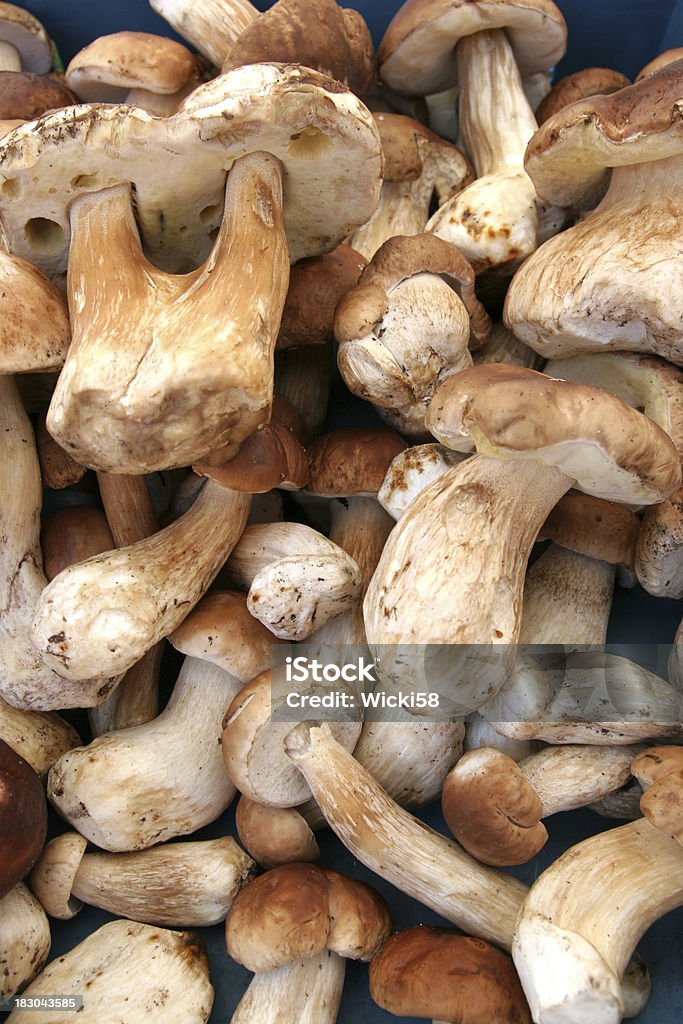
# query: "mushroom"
x,y
575,934
147,71
480,733
494,806
659,548
316,286
23,818
72,534
24,939
297,579
57,468
610,281
434,972
177,885
504,347
418,165
139,972
497,220
144,413
578,86
40,737
411,471
303,378
293,926
24,43
135,787
406,327
270,457
25,96
274,835
667,57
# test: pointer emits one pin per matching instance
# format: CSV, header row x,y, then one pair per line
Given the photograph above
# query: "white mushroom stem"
x,y
103,614
575,934
9,57
567,599
306,991
146,973
401,849
24,939
302,376
213,26
25,680
130,789
480,733
40,737
572,776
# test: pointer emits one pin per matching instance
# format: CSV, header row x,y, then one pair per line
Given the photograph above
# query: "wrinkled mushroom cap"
x,y
28,37
434,972
297,910
580,85
659,770
23,818
569,157
416,53
25,96
604,445
106,69
351,461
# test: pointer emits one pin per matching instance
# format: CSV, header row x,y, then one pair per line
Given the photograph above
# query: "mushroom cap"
x,y
492,810
569,157
270,457
668,57
53,876
584,83
274,835
435,972
593,527
221,630
106,69
25,96
404,142
317,33
659,770
298,910
72,534
604,445
416,53
323,136
27,36
34,322
23,818
315,287
353,460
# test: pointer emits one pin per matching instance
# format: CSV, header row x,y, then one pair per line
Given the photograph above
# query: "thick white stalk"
x,y
307,991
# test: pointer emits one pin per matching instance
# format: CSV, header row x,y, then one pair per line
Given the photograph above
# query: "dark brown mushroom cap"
x,y
353,460
316,33
26,96
315,287
396,260
298,910
404,142
434,972
600,442
570,156
593,527
73,534
659,770
23,818
580,85
492,810
270,457
416,53
668,57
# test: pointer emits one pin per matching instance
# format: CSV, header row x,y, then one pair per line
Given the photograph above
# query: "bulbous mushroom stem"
x,y
307,991
575,934
24,939
103,614
40,737
397,846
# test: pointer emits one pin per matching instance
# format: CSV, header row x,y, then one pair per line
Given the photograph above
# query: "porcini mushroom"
x,y
23,818
40,737
24,43
25,96
578,86
72,534
659,548
274,835
411,471
24,939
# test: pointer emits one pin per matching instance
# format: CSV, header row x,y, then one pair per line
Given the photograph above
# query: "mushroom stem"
x,y
40,737
398,847
9,57
168,387
575,934
24,939
567,599
307,991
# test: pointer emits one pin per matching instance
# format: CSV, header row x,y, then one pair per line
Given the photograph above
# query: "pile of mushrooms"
x,y
322,359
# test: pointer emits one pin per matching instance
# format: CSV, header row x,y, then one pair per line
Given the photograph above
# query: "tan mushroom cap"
x,y
437,973
601,443
668,57
659,770
221,630
580,85
353,460
106,69
34,322
395,261
593,527
569,157
404,141
270,457
25,96
416,53
28,36
315,287
297,910
274,835
492,810
318,33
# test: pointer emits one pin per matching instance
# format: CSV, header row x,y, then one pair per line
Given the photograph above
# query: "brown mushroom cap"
x,y
659,770
353,460
604,445
570,156
404,142
593,527
580,85
34,322
416,53
270,457
297,910
73,534
23,818
274,835
106,69
27,35
434,972
668,57
315,287
317,33
27,96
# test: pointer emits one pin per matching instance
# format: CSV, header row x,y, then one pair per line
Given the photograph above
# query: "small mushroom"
x,y
25,96
316,286
24,43
40,737
72,534
411,471
578,86
24,939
